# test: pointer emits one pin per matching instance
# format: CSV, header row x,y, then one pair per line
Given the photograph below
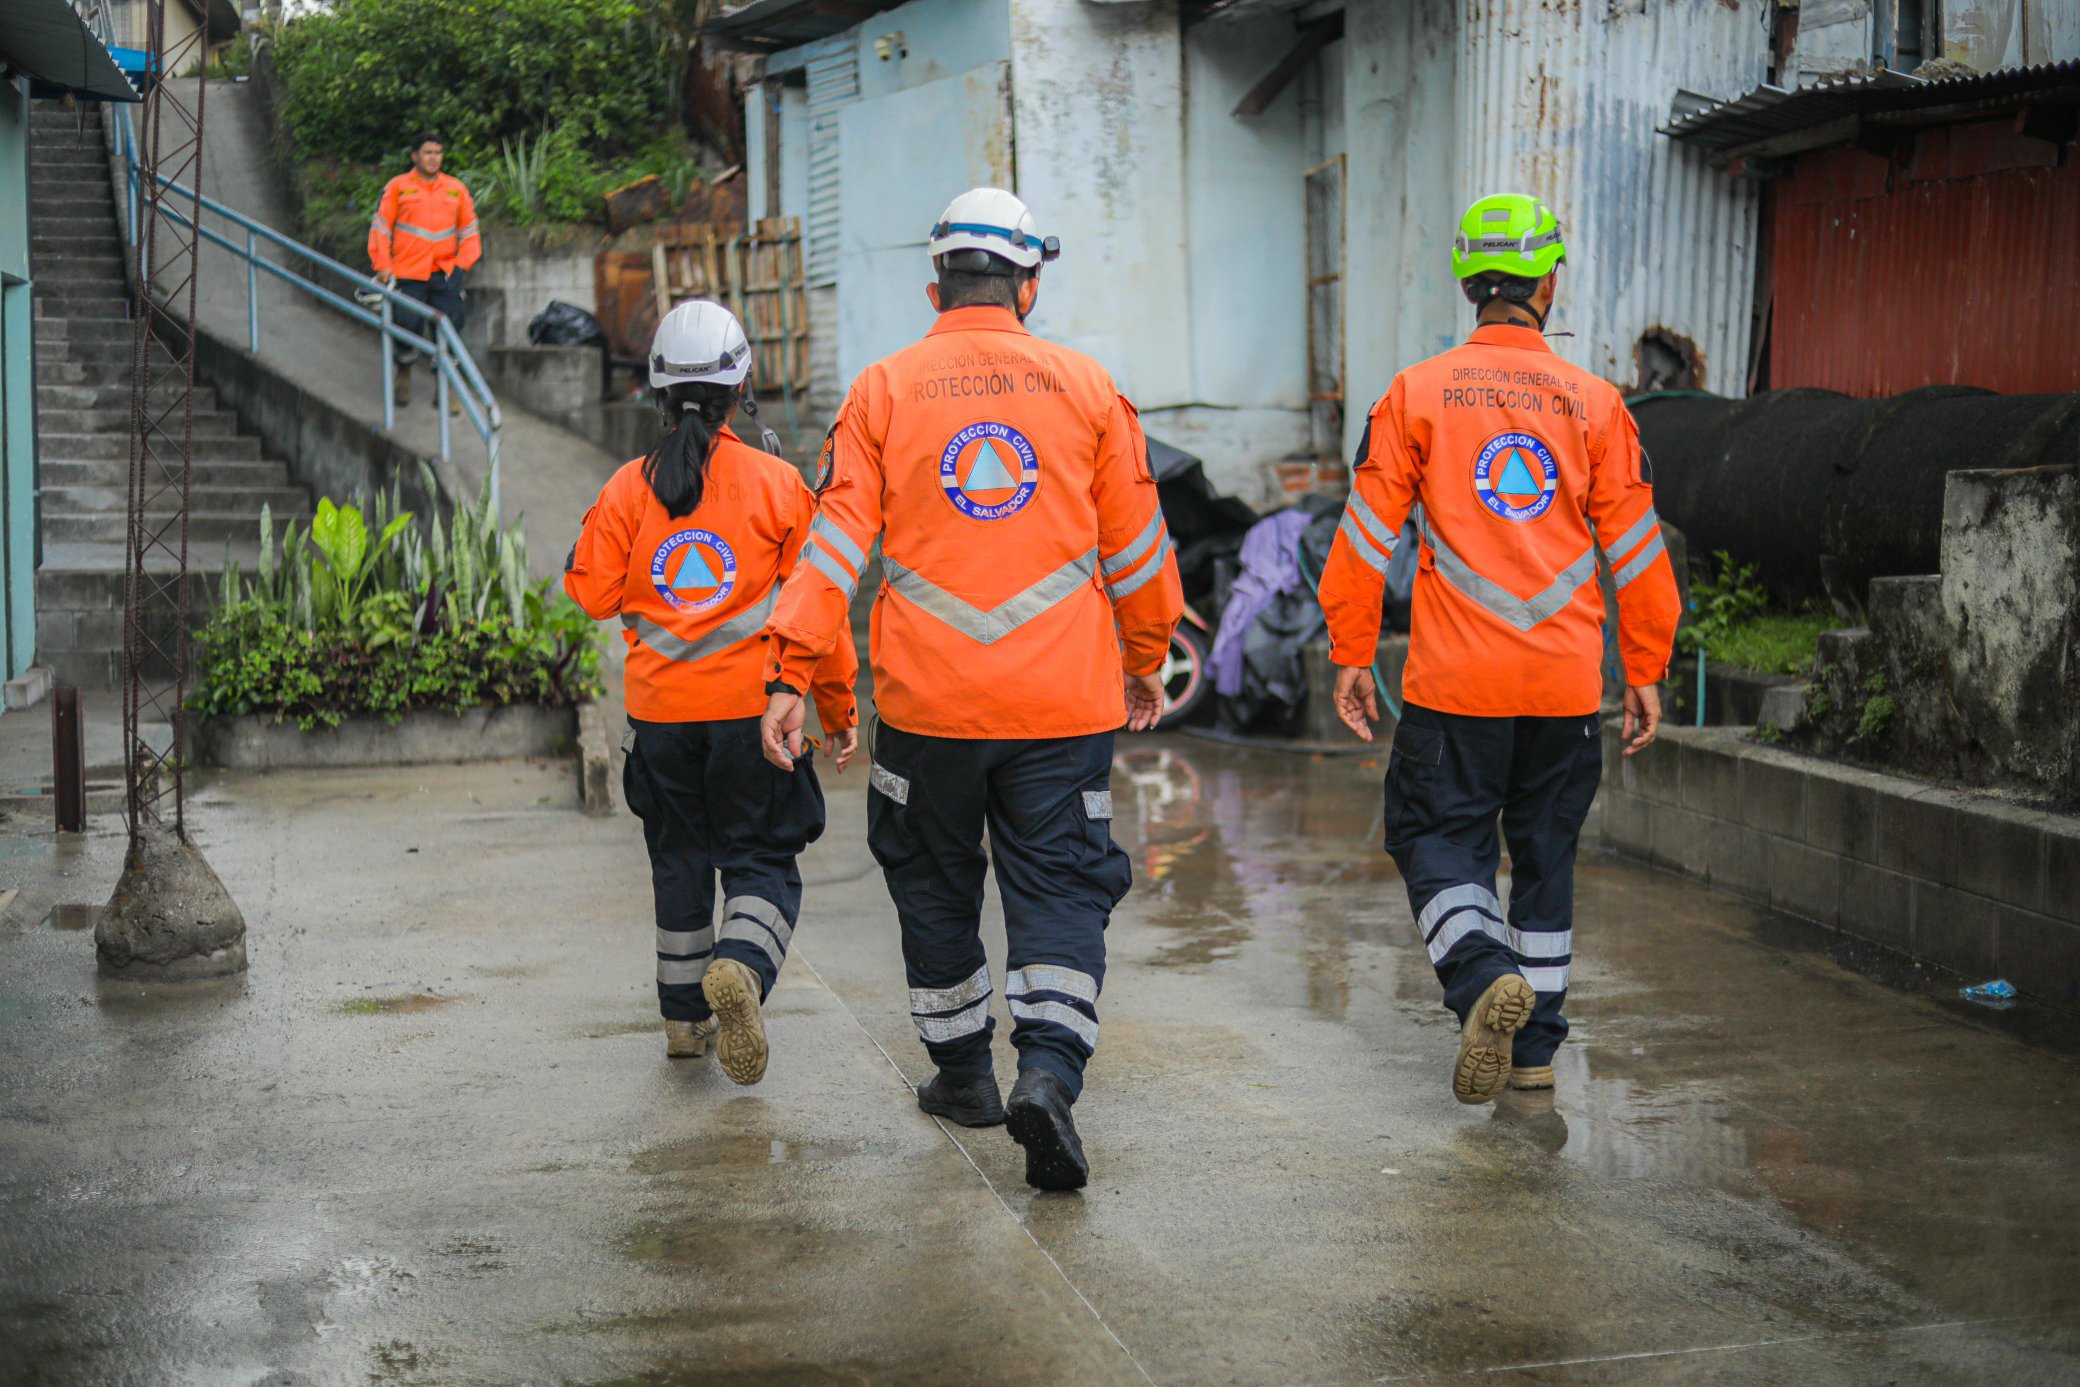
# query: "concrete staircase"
x,y
84,345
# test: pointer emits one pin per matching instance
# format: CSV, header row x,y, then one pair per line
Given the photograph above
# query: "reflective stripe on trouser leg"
x,y
1446,779
661,783
1556,765
924,827
764,817
1060,875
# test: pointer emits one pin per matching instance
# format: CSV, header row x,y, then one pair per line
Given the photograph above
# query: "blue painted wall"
x,y
17,390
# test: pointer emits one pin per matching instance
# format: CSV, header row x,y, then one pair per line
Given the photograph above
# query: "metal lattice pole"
x,y
155,605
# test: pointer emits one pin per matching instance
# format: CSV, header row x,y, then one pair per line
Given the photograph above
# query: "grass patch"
x,y
1774,642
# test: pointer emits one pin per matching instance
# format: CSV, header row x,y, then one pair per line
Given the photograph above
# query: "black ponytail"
x,y
677,468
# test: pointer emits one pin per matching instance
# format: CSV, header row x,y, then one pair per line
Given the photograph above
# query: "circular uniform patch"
x,y
989,471
1515,476
693,570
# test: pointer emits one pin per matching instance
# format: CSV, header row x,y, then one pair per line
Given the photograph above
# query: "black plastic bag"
x,y
564,325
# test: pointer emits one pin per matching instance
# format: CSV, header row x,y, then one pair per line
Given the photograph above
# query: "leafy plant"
x,y
523,160
1735,625
1877,713
350,617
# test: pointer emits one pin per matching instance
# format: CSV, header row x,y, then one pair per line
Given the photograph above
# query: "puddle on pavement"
x,y
404,1004
72,916
740,1150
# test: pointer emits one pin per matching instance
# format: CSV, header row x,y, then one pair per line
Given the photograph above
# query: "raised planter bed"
x,y
258,742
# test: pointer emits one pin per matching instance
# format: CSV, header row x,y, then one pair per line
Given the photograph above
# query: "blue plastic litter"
x,y
1999,990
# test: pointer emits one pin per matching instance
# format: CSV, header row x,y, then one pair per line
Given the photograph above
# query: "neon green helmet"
x,y
1513,233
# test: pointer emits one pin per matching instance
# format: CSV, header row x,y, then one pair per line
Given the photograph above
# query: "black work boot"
x,y
1039,1117
970,1102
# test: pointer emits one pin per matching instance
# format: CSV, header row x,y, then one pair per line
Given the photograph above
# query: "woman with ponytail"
x,y
687,546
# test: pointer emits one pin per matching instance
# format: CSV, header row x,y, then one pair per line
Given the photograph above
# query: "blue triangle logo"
x,y
989,472
1516,477
694,572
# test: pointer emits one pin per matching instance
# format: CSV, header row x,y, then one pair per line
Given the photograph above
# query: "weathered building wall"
x,y
1401,305
1989,34
1097,111
1245,221
1561,100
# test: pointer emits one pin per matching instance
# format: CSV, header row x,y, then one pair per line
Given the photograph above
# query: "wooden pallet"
x,y
757,275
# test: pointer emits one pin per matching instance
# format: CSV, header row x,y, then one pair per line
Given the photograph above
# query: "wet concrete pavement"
x,y
432,1137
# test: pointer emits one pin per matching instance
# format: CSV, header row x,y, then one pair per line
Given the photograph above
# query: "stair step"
x,y
69,221
81,328
202,500
206,529
207,422
68,201
114,473
82,576
112,396
100,241
87,447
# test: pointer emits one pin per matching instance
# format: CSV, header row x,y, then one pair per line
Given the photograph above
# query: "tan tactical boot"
x,y
1538,1076
1484,1042
732,990
403,393
688,1040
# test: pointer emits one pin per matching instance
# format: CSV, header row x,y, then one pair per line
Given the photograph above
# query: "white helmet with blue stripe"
x,y
699,341
996,223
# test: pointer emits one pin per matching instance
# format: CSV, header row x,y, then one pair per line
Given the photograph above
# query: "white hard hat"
x,y
996,222
699,341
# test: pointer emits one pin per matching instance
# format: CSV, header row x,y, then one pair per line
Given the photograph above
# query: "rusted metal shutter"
x,y
1950,266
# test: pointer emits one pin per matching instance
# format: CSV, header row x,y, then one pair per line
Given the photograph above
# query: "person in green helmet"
x,y
1520,473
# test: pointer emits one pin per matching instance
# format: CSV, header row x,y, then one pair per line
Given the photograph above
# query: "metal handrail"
x,y
454,368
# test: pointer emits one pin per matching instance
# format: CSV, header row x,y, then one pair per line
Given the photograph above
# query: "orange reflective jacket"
x,y
694,593
1022,544
1506,456
423,226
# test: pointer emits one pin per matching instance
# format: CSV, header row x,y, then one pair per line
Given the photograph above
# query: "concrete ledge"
x,y
595,761
260,743
1968,882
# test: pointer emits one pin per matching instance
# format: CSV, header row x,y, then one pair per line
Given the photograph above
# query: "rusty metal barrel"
x,y
1821,490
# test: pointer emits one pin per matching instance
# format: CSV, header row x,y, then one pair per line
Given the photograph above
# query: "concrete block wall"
x,y
1971,883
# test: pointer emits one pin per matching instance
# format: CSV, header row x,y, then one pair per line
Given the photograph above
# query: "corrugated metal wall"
x,y
833,71
1944,269
1560,98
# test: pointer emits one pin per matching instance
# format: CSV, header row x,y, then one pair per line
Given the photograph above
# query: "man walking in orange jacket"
x,y
423,242
1028,581
1520,470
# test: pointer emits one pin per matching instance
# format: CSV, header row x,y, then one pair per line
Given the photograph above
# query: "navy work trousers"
x,y
711,804
1448,780
442,293
1047,804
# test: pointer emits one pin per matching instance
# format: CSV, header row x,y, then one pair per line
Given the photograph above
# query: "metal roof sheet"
x,y
768,26
48,40
1769,112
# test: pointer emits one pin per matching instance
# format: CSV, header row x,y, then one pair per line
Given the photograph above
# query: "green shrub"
x,y
1735,625
347,618
363,75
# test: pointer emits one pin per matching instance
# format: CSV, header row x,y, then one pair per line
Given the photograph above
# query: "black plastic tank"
x,y
1812,486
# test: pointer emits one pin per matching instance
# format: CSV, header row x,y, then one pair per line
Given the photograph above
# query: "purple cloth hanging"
x,y
1270,566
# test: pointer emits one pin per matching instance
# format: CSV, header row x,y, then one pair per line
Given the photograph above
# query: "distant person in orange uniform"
x,y
1029,588
1506,457
688,547
423,242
